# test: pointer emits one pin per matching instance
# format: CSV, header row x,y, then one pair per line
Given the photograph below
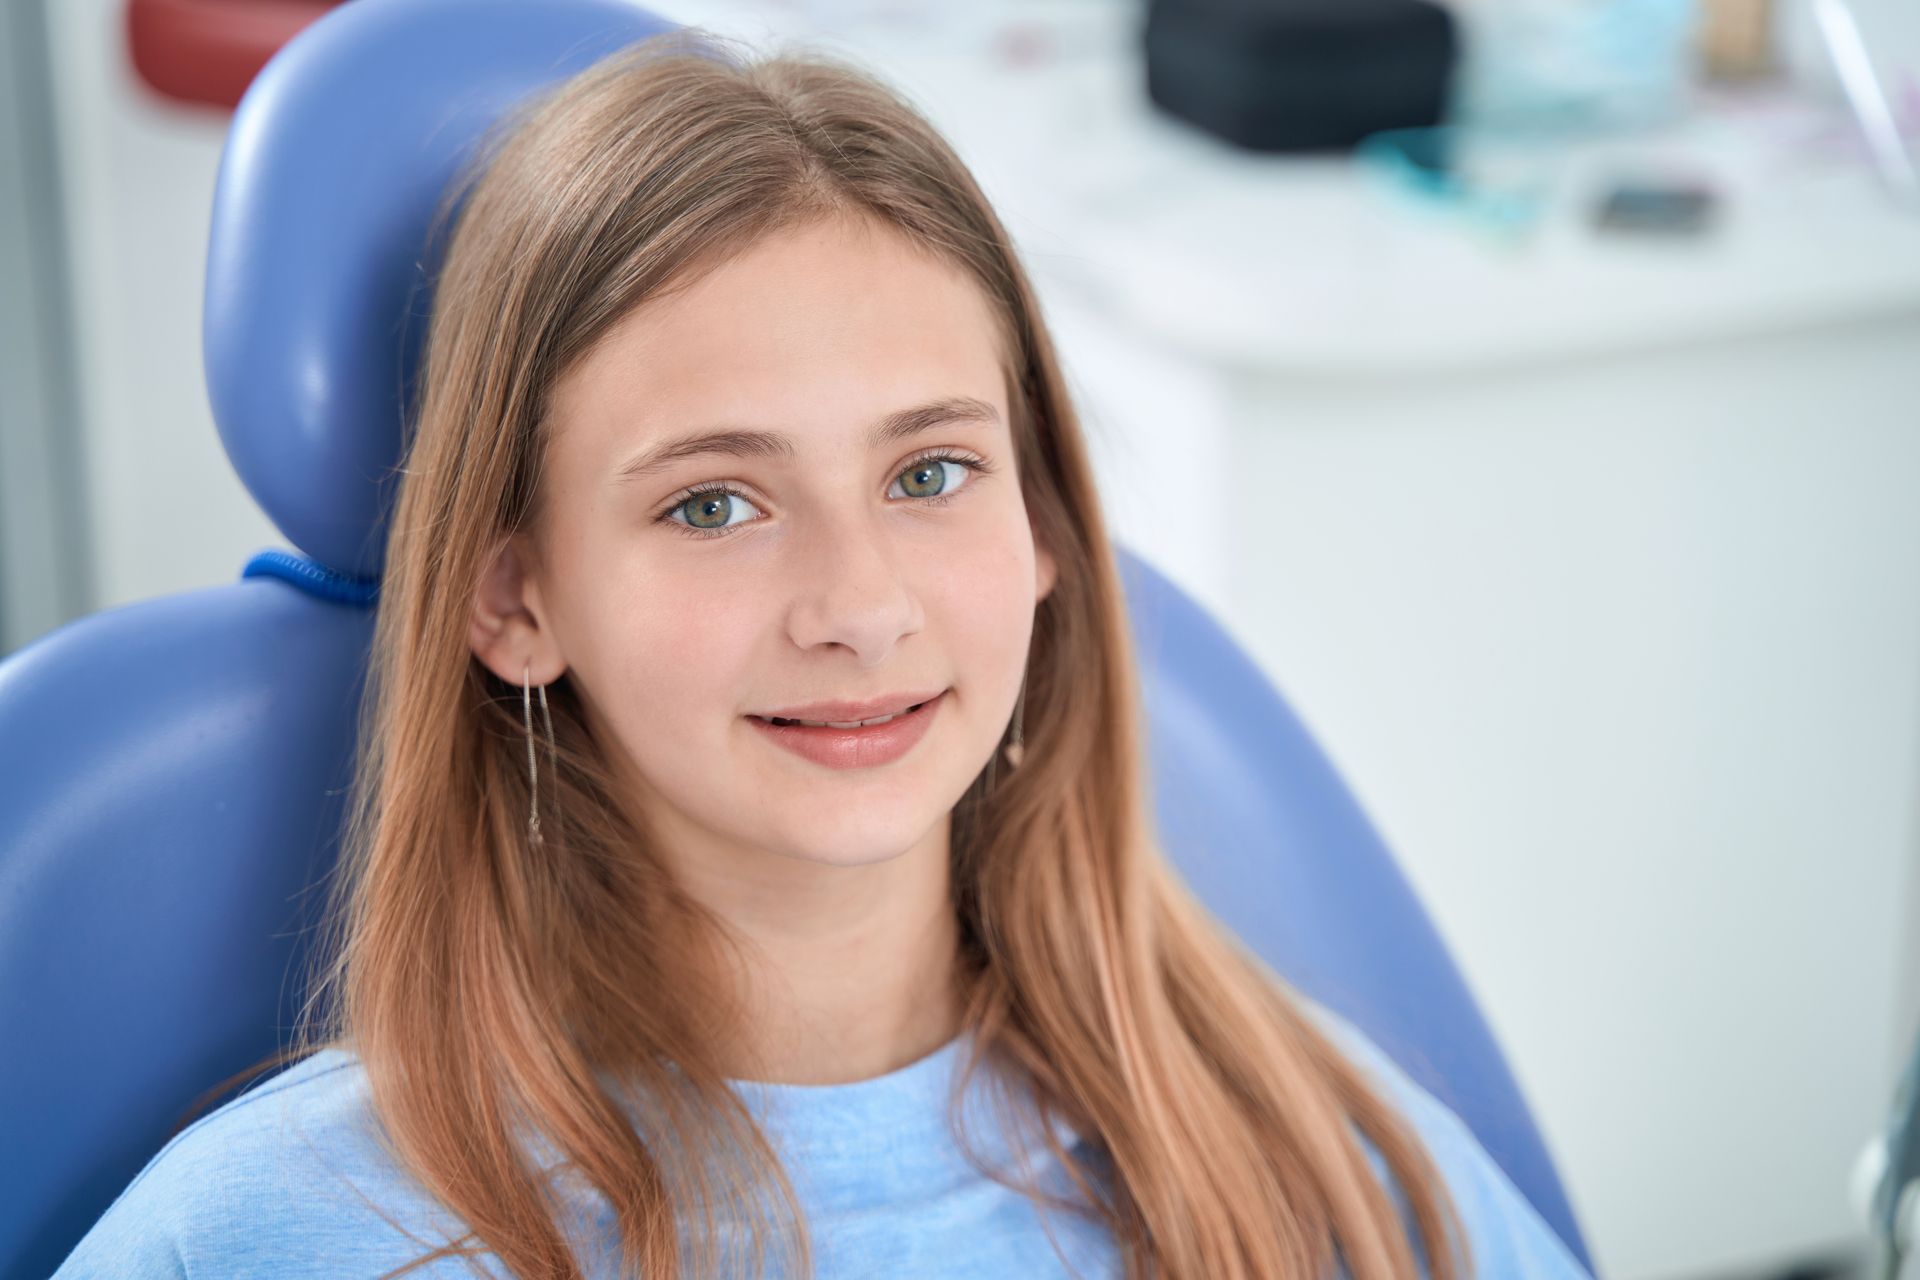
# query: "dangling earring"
x,y
533,772
1016,748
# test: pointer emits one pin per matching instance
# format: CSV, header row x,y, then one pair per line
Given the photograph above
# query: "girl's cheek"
x,y
701,633
998,575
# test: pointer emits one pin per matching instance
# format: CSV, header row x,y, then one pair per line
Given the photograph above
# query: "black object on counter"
x,y
1300,75
1683,208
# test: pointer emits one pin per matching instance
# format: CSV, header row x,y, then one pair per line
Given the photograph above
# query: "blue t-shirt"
x,y
255,1188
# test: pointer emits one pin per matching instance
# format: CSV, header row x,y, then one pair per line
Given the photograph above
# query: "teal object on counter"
x,y
1437,167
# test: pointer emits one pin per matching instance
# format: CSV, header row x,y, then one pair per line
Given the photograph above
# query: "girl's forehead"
x,y
818,332
809,295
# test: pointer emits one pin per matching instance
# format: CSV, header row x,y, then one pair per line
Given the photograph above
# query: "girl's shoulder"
x,y
288,1179
1507,1234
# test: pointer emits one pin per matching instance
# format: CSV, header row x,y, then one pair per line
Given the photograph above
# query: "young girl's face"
x,y
844,564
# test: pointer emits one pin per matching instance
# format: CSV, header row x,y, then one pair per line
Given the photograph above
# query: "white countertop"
x,y
1317,265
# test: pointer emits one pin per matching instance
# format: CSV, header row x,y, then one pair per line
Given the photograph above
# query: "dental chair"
x,y
172,772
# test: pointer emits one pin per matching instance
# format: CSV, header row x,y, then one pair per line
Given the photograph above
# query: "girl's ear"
x,y
508,630
1045,571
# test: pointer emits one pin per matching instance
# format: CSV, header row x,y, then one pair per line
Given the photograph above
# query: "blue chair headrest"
x,y
320,258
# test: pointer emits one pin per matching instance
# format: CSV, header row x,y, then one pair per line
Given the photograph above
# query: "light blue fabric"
x,y
254,1188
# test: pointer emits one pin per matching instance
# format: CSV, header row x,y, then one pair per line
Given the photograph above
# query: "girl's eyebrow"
x,y
748,442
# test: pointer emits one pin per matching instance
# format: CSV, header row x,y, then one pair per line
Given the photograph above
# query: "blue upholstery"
x,y
1252,813
172,772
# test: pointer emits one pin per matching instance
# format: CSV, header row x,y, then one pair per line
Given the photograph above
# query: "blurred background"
x,y
1531,386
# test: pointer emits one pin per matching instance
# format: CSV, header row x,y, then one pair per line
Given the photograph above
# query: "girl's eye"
x,y
933,478
936,477
708,510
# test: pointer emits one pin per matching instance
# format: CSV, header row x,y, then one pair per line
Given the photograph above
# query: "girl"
x,y
750,864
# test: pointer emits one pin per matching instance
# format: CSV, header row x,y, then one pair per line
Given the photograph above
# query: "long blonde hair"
x,y
490,986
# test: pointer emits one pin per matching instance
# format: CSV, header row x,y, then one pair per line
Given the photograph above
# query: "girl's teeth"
x,y
845,724
842,724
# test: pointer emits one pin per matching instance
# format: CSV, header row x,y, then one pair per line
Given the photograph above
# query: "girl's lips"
x,y
862,748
